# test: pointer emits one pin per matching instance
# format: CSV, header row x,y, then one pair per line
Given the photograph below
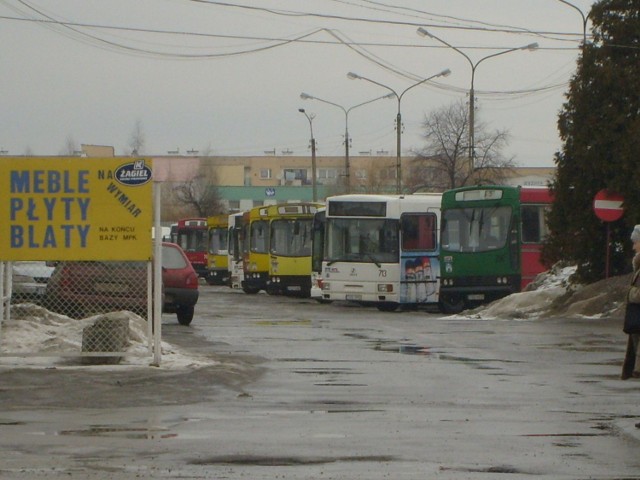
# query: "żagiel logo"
x,y
133,174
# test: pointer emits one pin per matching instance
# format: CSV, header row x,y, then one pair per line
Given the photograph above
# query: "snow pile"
x,y
531,303
58,339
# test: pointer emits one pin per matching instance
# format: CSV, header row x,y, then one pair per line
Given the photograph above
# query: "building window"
x,y
265,173
388,173
234,204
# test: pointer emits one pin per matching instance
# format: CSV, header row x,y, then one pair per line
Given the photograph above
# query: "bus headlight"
x,y
385,288
326,286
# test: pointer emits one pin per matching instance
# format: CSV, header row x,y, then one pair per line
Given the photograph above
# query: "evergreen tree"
x,y
600,128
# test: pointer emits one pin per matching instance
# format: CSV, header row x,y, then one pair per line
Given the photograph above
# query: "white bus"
x,y
382,250
234,250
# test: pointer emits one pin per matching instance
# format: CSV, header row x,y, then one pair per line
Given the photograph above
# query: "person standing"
x,y
633,296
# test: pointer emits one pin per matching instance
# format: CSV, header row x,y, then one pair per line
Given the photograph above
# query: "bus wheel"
x,y
452,304
272,290
250,290
387,306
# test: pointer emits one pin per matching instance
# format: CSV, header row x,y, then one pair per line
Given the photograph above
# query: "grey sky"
x,y
195,89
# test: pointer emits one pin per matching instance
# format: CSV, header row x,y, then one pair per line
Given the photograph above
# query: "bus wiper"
x,y
373,259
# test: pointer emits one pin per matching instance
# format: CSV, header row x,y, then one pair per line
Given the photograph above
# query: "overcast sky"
x,y
226,77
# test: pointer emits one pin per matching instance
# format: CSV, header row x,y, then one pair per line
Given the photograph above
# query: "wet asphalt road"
x,y
310,391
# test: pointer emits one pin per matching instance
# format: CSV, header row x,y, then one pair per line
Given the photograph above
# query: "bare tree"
x,y
199,194
443,163
70,146
377,177
137,140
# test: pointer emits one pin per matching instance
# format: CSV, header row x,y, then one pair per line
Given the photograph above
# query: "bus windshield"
x,y
192,240
218,241
291,238
475,229
259,236
362,240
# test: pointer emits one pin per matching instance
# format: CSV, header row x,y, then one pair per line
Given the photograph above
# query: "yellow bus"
x,y
217,261
290,241
255,247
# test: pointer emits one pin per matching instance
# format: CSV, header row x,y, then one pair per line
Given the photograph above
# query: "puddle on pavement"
x,y
495,469
266,461
271,323
9,423
331,384
133,433
326,371
405,348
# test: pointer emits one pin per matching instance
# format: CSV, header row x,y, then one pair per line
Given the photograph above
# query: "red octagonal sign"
x,y
608,205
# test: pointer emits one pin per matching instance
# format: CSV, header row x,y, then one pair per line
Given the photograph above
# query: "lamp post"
x,y
310,117
306,96
472,147
355,76
585,19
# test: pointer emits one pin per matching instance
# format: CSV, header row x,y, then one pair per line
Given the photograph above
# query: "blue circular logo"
x,y
133,174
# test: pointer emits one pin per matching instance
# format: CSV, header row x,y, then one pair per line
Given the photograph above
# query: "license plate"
x,y
476,296
353,296
294,288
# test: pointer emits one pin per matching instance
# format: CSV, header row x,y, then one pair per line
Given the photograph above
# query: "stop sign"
x,y
608,205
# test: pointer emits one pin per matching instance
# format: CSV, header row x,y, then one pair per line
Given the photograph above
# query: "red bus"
x,y
192,237
534,204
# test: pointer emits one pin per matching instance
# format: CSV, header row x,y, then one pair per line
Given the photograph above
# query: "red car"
x,y
180,282
81,289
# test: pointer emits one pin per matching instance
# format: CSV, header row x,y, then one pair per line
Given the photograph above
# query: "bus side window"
x,y
532,218
409,232
419,232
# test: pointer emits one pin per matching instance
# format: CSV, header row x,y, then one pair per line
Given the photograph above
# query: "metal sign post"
x,y
608,208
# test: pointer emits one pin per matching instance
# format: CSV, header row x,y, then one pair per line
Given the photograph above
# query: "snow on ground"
x,y
32,329
531,303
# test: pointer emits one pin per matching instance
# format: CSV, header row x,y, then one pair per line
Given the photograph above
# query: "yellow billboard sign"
x,y
60,208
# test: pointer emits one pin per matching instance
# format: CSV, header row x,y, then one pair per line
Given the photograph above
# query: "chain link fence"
x,y
90,309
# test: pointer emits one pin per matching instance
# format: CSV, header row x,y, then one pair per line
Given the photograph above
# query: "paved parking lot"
x,y
301,390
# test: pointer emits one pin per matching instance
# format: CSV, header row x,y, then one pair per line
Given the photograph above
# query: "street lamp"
x,y
472,147
310,117
306,96
355,76
585,19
